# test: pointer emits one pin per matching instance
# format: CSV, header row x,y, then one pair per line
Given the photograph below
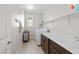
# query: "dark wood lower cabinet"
x,y
59,48
52,50
44,43
50,47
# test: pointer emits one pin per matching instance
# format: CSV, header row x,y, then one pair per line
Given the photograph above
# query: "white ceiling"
x,y
40,8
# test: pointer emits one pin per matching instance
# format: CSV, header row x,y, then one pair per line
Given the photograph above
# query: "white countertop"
x,y
68,43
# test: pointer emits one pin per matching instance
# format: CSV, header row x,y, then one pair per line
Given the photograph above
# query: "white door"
x,y
3,40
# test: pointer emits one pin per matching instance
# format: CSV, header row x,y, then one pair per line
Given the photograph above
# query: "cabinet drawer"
x,y
60,49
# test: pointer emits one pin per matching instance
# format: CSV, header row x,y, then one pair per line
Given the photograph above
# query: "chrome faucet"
x,y
48,30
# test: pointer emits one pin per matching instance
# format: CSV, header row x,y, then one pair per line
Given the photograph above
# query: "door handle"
x,y
9,42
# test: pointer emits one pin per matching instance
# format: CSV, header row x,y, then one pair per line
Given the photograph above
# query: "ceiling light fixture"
x,y
30,6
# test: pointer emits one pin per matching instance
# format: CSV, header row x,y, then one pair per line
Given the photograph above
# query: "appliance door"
x,y
38,37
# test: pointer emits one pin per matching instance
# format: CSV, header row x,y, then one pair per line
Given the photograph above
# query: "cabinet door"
x,y
58,48
44,43
52,50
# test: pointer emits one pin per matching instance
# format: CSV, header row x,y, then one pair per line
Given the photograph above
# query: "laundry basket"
x,y
25,36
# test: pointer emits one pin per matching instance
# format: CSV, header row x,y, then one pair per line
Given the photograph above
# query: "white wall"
x,y
67,25
55,11
14,12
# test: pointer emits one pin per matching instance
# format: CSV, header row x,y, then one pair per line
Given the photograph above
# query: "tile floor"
x,y
31,48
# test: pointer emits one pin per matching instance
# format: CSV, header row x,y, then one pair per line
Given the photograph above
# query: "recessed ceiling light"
x,y
30,6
